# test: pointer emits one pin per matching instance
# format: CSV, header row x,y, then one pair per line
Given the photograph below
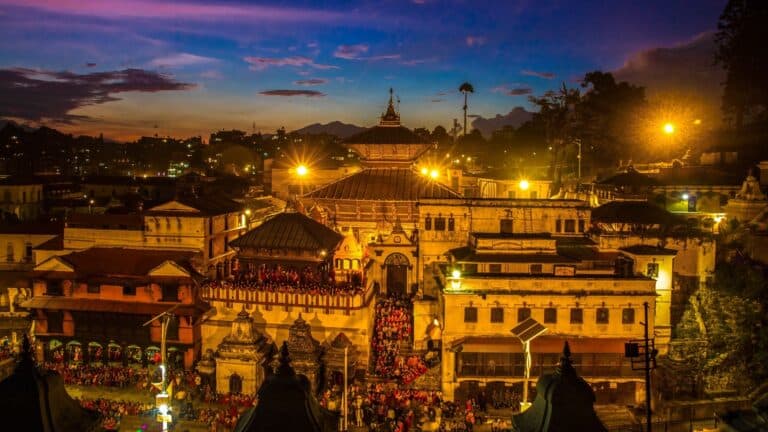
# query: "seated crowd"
x,y
306,280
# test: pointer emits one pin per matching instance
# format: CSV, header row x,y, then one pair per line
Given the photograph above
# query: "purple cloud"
x,y
350,52
284,92
475,40
163,9
34,94
518,90
311,82
181,60
263,63
544,75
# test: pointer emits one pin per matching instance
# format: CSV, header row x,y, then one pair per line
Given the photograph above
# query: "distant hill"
x,y
341,130
514,118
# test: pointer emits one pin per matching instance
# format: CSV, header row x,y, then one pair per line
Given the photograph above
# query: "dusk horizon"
x,y
131,68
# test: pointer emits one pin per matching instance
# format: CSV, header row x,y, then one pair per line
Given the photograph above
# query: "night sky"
x,y
134,67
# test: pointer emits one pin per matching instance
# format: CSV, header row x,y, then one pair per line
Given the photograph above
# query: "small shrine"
x,y
564,402
286,403
241,357
305,351
36,401
334,361
750,201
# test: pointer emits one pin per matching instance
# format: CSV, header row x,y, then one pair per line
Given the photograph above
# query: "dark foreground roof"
x,y
384,184
629,178
633,212
564,402
286,404
386,135
290,231
36,401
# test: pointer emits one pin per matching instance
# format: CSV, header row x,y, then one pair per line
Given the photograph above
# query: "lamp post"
x,y
527,331
301,172
578,157
162,400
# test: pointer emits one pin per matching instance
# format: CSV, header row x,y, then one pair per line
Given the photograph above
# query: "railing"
x,y
513,371
230,294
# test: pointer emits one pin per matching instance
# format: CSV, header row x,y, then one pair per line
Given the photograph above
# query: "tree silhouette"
x,y
466,88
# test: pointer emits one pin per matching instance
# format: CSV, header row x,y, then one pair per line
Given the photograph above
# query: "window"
x,y
173,329
523,314
451,224
170,293
534,195
652,270
512,194
577,316
54,288
535,268
129,290
570,225
601,317
28,252
582,225
9,252
55,322
550,315
627,316
497,315
470,314
440,223
428,223
94,288
494,268
506,226
558,225
210,248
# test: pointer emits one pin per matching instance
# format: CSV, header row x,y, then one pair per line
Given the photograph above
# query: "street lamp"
x,y
524,185
527,331
668,128
578,143
455,279
301,172
434,174
163,400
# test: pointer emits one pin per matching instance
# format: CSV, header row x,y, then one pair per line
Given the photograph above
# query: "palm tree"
x,y
466,88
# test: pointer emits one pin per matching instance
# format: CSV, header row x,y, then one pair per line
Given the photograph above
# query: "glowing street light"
x,y
455,279
434,174
685,196
668,128
523,185
424,171
302,170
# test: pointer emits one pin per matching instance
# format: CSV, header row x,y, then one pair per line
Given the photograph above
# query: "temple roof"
x,y
386,135
629,178
286,404
564,402
290,230
632,212
384,184
104,261
36,401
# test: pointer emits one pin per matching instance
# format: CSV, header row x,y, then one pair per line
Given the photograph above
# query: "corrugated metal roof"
x,y
290,231
384,184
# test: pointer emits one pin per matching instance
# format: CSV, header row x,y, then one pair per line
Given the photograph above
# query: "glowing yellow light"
x,y
434,173
524,185
668,128
424,171
456,273
697,122
301,170
247,212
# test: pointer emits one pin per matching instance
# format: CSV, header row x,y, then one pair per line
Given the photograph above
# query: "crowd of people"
x,y
113,410
393,325
307,280
98,375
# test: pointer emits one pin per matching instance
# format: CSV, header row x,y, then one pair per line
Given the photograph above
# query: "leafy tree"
x,y
742,32
557,116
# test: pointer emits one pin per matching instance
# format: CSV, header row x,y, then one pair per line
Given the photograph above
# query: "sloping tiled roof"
x,y
384,184
698,176
629,178
632,212
106,221
123,261
386,135
32,228
208,205
290,231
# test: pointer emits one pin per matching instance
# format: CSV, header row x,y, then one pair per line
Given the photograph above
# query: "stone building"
x,y
241,358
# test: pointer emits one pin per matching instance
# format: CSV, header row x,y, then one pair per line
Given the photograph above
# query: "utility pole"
x,y
162,401
647,363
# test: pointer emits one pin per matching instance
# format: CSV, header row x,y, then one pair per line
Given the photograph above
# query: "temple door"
x,y
235,384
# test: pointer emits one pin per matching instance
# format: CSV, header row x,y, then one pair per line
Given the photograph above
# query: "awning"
x,y
96,305
547,344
